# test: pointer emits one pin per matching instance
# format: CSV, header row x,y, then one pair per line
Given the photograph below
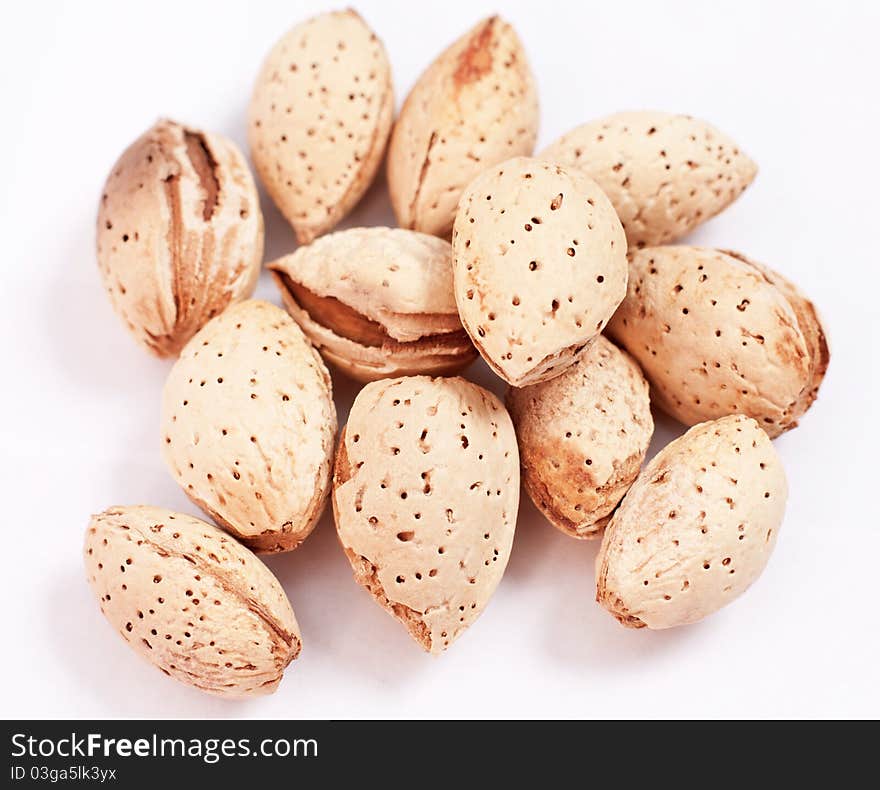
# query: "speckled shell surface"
x,y
664,173
719,334
425,496
697,527
248,424
539,259
475,105
582,437
319,119
191,600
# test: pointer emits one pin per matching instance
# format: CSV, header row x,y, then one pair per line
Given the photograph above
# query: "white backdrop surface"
x,y
794,84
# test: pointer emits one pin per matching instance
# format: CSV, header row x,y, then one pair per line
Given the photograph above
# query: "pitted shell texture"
x,y
719,334
425,495
697,527
664,173
582,437
539,259
475,105
319,119
191,600
248,423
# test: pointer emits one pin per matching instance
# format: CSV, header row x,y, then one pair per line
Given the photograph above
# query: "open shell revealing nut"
x,y
475,105
377,302
425,494
248,424
319,119
582,437
191,600
539,258
697,527
664,173
180,233
718,334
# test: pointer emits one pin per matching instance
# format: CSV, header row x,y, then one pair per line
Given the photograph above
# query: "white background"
x,y
794,84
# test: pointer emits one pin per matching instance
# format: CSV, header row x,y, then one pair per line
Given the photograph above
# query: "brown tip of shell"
x,y
476,59
305,234
367,576
614,606
268,542
809,322
271,541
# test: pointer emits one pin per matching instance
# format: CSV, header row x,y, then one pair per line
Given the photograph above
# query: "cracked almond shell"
x,y
248,423
719,334
539,262
319,119
583,437
377,302
697,527
191,600
180,233
665,174
475,105
425,495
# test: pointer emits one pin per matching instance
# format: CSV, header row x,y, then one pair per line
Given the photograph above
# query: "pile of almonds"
x,y
535,263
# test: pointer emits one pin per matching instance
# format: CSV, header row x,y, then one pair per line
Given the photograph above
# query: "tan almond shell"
x,y
697,527
425,495
319,119
583,437
718,334
398,280
180,233
664,173
191,600
248,424
475,105
539,260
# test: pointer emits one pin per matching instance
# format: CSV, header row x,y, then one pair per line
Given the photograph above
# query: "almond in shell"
x,y
425,495
319,119
697,527
717,334
539,259
582,437
180,233
664,173
248,423
191,600
475,105
377,302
